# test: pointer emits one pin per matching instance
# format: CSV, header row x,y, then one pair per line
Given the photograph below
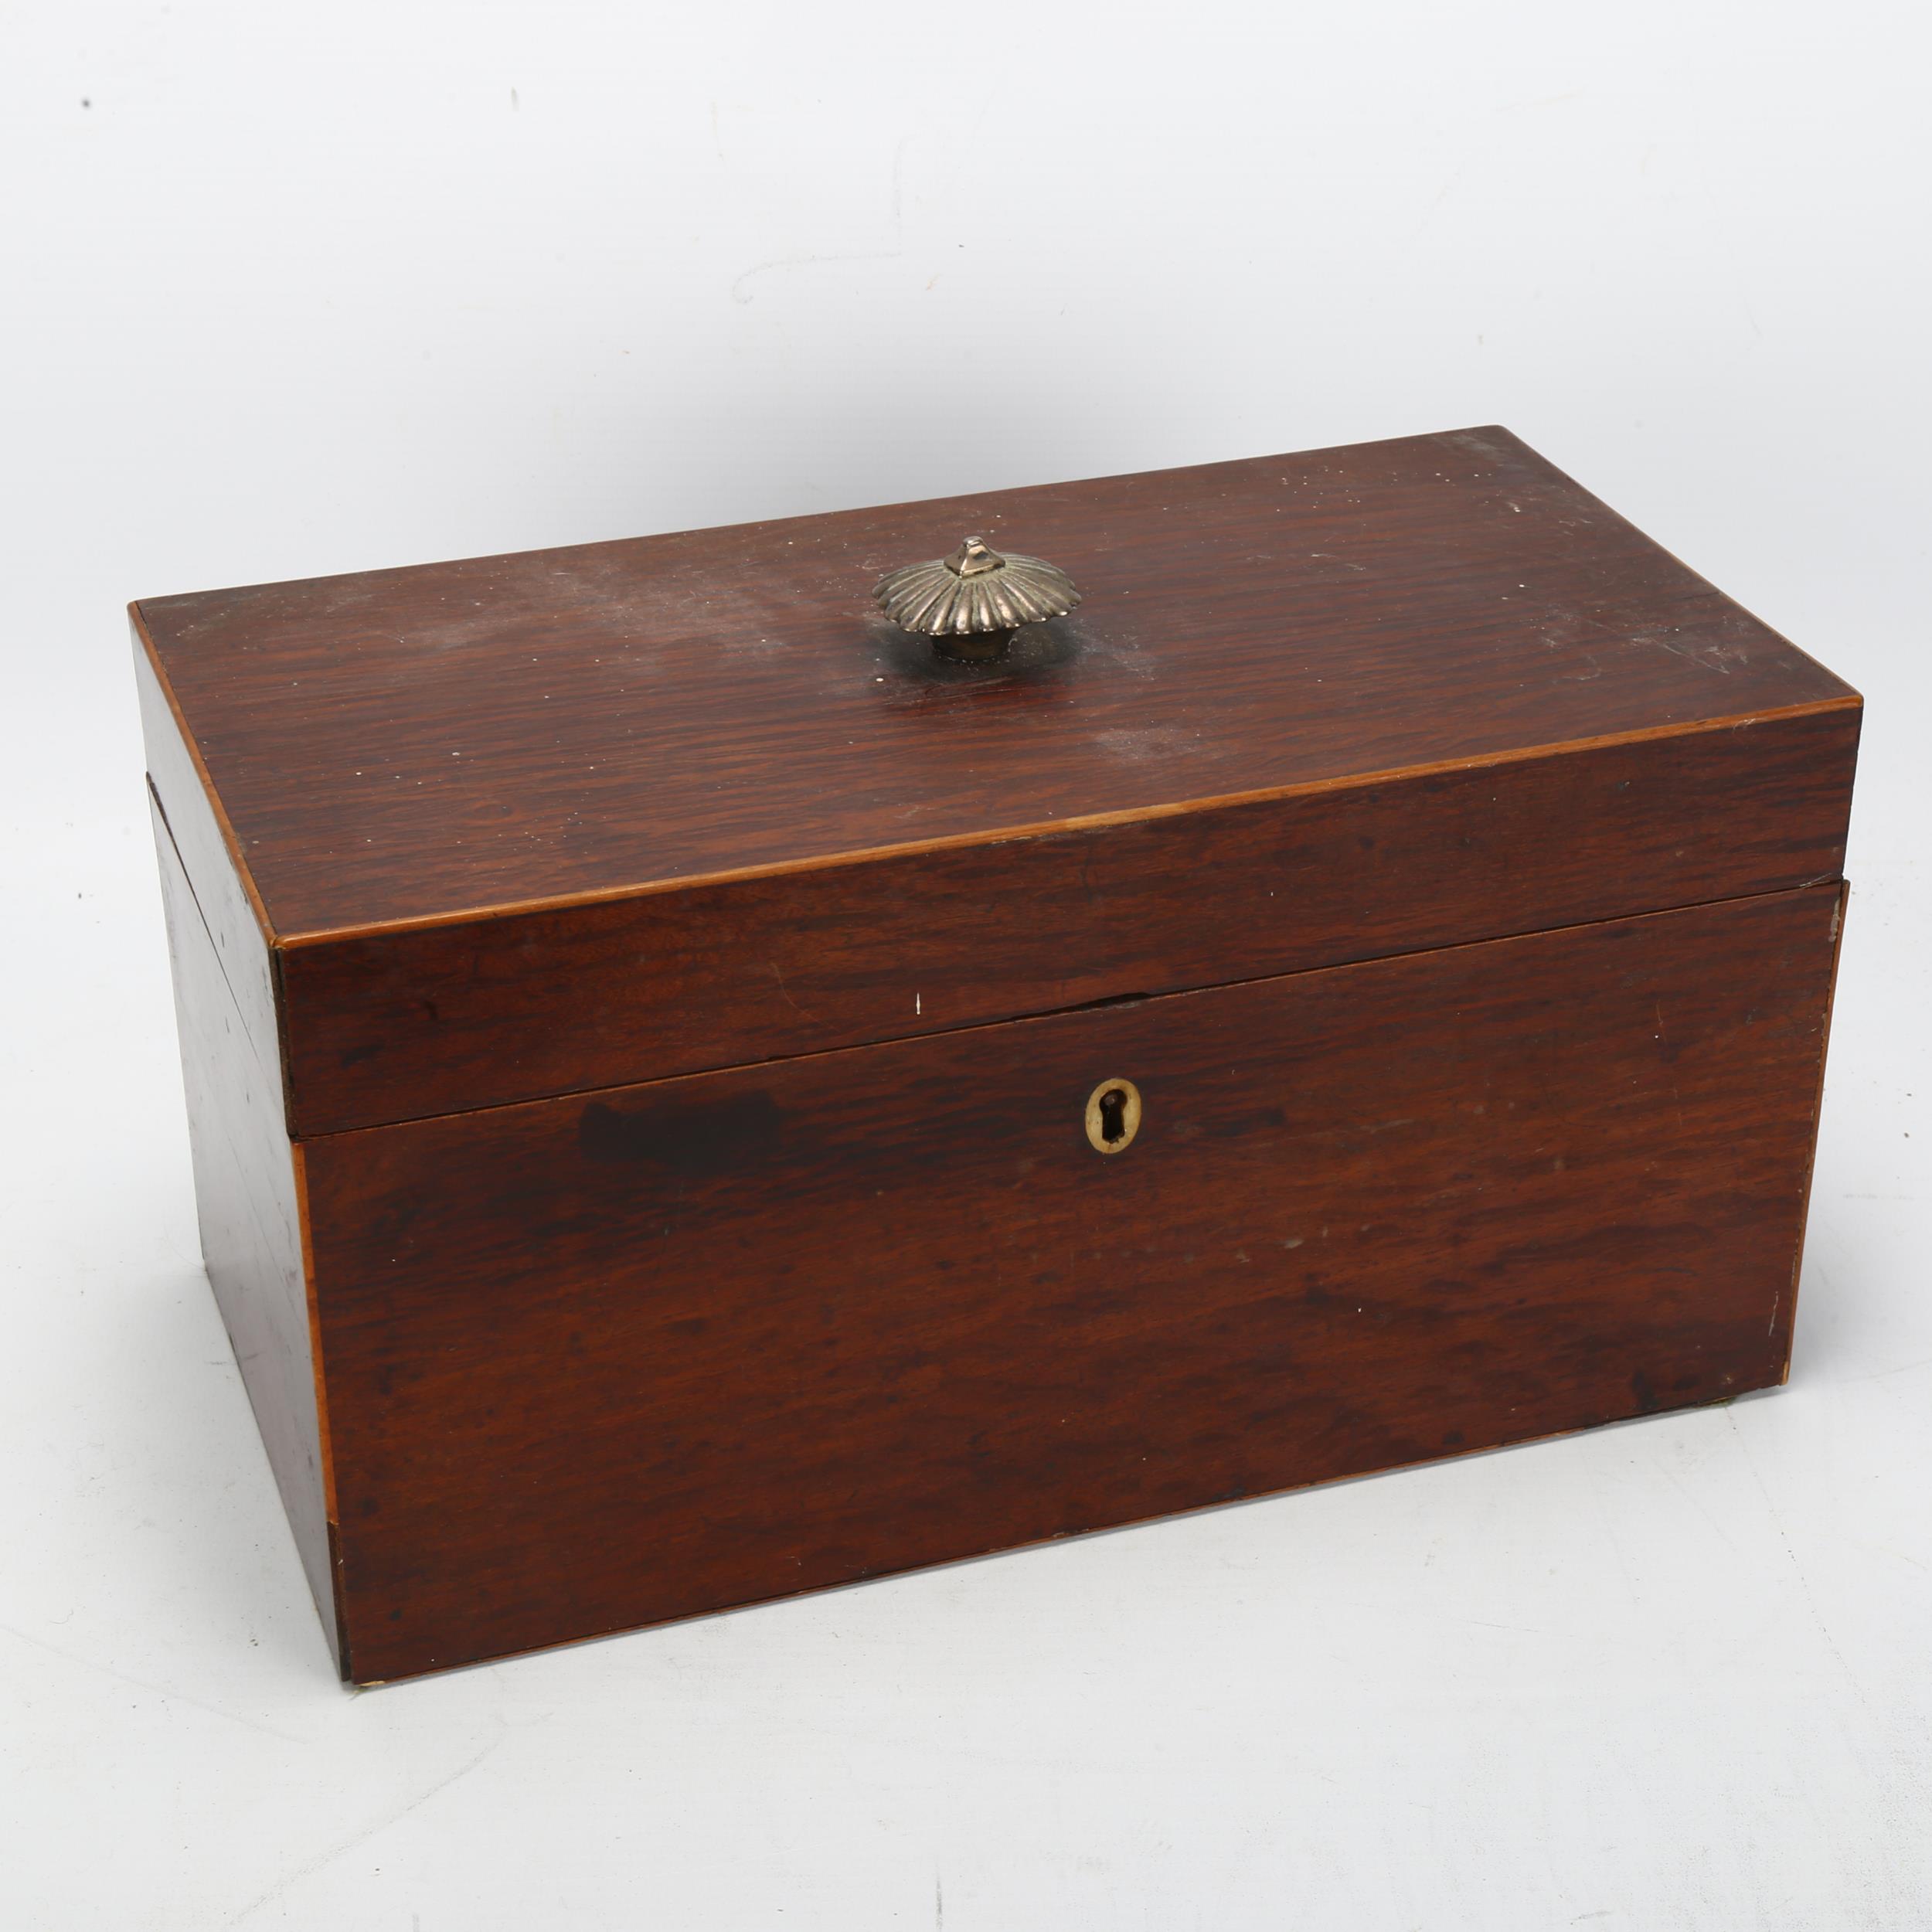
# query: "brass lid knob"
x,y
973,601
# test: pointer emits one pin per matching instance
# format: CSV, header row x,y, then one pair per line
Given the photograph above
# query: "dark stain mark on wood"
x,y
735,1136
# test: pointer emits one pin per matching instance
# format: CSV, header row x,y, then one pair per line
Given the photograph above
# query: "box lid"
x,y
522,825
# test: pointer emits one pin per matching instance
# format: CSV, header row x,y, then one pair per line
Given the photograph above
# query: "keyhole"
x,y
1112,1116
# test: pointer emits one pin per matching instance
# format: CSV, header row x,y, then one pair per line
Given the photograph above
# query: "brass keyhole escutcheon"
x,y
1112,1116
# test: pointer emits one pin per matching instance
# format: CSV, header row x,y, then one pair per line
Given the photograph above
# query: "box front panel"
x,y
398,1025
607,1360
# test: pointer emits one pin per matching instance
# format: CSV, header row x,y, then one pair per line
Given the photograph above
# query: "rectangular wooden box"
x,y
639,1011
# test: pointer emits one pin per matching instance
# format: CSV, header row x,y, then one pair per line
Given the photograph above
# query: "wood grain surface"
x,y
599,1361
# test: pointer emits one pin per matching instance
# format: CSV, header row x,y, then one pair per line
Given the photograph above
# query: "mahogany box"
x,y
697,1095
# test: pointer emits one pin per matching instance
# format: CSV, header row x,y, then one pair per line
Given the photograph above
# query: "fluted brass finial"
x,y
973,601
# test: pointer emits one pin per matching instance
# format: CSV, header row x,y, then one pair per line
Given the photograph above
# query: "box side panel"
x,y
230,915
603,1360
401,1023
247,1195
1785,1319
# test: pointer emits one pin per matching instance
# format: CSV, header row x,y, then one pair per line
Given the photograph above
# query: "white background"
x,y
290,290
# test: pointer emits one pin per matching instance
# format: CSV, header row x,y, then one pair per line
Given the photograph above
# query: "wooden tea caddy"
x,y
697,1096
